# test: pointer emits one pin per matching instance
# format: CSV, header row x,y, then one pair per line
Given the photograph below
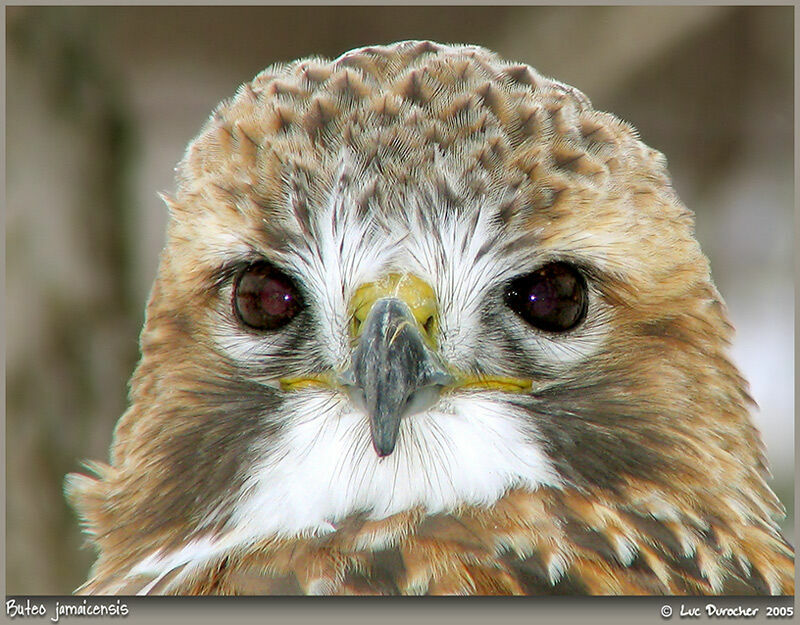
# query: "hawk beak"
x,y
395,372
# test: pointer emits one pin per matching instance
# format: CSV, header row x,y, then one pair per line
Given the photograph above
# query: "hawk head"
x,y
419,288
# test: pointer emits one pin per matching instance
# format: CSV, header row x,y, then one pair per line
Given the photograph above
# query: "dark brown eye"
x,y
265,298
553,298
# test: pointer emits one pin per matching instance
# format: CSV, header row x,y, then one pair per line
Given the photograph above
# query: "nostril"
x,y
429,325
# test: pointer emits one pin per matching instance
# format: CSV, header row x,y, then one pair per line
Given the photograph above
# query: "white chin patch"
x,y
464,451
467,450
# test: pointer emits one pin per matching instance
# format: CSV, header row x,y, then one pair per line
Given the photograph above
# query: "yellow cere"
x,y
417,294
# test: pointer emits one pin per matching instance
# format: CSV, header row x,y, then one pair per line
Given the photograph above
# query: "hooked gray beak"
x,y
394,373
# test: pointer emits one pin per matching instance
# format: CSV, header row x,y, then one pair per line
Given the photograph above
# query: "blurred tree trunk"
x,y
71,329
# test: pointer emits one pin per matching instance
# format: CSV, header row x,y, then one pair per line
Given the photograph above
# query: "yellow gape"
x,y
421,300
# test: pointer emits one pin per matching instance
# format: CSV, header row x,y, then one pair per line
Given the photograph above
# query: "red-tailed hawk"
x,y
428,323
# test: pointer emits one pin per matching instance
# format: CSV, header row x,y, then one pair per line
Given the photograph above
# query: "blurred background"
x,y
100,104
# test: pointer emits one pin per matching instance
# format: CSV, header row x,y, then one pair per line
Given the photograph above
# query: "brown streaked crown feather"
x,y
663,471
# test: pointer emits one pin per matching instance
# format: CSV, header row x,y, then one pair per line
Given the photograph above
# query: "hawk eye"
x,y
553,298
265,298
